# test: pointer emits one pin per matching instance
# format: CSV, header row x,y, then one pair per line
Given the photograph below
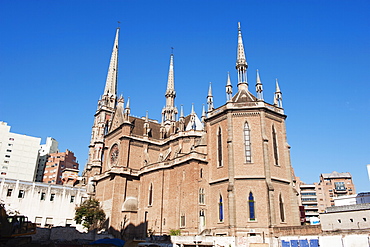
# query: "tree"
x,y
90,214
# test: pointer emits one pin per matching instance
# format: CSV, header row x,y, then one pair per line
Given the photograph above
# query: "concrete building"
x,y
51,146
348,217
45,204
19,154
56,164
227,173
309,201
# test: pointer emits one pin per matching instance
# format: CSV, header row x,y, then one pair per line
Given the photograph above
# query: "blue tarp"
x,y
115,241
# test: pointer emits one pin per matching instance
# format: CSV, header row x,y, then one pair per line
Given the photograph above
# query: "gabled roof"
x,y
335,174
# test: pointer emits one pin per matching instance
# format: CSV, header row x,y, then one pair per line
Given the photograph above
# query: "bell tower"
x,y
103,116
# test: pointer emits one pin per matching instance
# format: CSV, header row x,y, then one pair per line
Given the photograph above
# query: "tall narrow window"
x,y
219,147
202,218
220,210
201,196
150,201
252,215
274,143
281,206
182,220
247,143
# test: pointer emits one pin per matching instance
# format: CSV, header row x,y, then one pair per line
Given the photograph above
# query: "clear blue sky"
x,y
54,58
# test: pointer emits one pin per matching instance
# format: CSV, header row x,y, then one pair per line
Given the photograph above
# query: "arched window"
x,y
150,201
219,147
220,210
275,148
201,196
281,206
247,143
251,204
202,218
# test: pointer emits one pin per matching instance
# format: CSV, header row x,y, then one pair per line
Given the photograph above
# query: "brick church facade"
x,y
227,173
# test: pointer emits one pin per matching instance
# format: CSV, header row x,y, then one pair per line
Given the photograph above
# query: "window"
x,y
9,192
281,206
10,144
351,220
6,161
21,194
7,156
38,221
49,222
72,199
274,143
182,220
8,150
150,201
43,195
219,147
339,221
3,173
364,219
220,210
201,173
201,196
340,186
251,207
247,143
11,139
52,197
69,222
202,218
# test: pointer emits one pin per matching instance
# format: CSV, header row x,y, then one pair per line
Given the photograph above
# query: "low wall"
x,y
306,230
66,234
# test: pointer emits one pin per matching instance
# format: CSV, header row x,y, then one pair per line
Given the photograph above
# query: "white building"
x,y
44,204
18,154
51,146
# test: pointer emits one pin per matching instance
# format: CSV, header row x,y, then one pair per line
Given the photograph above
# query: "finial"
x,y
239,28
128,103
203,111
210,89
118,24
192,109
181,111
172,50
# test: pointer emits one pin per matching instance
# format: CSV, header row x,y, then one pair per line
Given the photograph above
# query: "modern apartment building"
x,y
333,185
51,146
56,164
18,154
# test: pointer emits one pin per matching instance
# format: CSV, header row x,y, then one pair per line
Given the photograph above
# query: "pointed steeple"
x,y
111,82
241,63
127,109
182,119
210,98
229,88
170,110
259,88
203,114
278,99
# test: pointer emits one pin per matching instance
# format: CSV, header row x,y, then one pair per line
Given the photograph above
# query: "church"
x,y
227,173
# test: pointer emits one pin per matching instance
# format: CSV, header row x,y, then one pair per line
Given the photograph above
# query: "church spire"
x,y
241,63
259,88
111,82
210,98
229,88
278,99
170,110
